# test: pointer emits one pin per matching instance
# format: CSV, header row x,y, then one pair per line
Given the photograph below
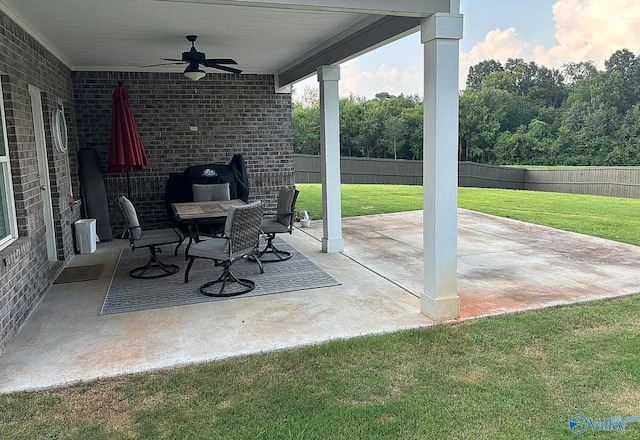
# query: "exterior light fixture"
x,y
193,73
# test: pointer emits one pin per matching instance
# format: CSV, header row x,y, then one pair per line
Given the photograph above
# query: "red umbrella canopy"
x,y
127,151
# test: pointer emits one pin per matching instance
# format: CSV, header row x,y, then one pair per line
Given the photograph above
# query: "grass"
x,y
516,376
362,199
612,218
606,217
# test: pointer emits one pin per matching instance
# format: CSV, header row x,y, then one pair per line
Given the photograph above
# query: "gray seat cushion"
x,y
214,248
273,226
210,192
130,217
285,200
140,238
157,237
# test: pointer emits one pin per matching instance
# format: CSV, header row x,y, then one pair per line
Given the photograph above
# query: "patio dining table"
x,y
198,216
195,211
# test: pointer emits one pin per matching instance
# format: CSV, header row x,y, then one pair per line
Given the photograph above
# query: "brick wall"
x,y
25,272
232,115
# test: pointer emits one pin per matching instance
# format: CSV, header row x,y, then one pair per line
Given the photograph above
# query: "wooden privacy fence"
x,y
361,170
603,181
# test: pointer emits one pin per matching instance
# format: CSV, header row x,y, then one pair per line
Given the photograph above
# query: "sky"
x,y
549,32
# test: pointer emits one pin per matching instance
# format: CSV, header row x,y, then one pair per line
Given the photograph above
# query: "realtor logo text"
x,y
579,424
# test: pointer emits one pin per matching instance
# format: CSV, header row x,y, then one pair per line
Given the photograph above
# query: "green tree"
x,y
350,120
479,126
623,69
479,72
574,72
414,120
306,123
532,145
574,116
393,134
626,151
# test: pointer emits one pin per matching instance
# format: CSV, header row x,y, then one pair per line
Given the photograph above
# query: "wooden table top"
x,y
202,210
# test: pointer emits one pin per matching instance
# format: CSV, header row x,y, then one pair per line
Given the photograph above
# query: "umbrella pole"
x,y
125,233
128,186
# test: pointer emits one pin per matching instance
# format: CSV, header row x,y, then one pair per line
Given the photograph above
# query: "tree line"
x,y
518,112
386,126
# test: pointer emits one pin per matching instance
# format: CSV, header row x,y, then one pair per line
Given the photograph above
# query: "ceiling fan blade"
x,y
220,61
172,59
225,68
162,64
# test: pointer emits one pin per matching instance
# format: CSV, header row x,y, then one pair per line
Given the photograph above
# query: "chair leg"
x,y
175,252
271,249
153,263
186,272
256,258
227,278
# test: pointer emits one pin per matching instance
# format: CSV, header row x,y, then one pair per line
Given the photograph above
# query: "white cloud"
x,y
360,82
586,30
591,30
498,45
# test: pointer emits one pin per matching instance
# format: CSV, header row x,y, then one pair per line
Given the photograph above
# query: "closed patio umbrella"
x,y
127,151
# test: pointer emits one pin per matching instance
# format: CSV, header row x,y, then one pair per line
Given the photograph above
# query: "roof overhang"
x,y
289,39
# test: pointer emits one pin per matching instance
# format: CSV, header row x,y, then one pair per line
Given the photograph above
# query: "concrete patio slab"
x,y
503,266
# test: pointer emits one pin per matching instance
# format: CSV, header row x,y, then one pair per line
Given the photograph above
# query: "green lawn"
x,y
510,377
519,376
607,217
362,199
612,218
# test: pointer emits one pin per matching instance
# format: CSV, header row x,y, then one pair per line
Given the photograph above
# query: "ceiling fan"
x,y
194,59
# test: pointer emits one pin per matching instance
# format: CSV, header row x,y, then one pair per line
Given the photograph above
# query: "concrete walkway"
x,y
503,266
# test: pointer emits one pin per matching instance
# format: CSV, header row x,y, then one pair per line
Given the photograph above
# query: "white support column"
x,y
440,34
328,77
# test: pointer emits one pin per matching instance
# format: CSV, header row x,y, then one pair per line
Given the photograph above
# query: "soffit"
x,y
262,36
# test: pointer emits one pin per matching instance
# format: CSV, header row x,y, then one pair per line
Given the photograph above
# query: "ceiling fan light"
x,y
194,74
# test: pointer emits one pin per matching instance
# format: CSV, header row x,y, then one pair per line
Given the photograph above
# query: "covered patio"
x,y
65,58
504,266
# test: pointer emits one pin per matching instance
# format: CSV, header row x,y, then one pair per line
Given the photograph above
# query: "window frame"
x,y
5,166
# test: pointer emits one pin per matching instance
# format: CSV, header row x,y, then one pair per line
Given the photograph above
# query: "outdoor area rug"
x,y
79,273
128,294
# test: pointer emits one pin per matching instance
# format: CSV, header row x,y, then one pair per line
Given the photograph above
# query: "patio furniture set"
x,y
218,228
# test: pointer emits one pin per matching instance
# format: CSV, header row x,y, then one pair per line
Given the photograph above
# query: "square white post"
x,y
328,77
440,34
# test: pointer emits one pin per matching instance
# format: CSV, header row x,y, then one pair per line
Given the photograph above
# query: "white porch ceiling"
x,y
283,37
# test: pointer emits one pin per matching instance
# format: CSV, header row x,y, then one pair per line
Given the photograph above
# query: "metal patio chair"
x,y
151,239
240,241
282,223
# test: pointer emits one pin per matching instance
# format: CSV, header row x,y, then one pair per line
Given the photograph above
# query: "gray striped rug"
x,y
128,294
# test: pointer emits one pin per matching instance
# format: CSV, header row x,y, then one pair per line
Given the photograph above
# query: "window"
x,y
8,229
59,129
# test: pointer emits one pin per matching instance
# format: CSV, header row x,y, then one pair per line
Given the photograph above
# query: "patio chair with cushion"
x,y
240,240
209,192
151,239
281,223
